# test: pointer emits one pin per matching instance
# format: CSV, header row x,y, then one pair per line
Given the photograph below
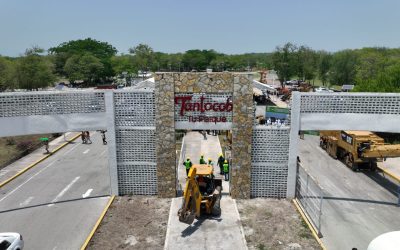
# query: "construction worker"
x,y
226,170
221,161
188,164
210,162
202,161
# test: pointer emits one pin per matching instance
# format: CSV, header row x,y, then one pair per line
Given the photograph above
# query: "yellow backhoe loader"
x,y
202,194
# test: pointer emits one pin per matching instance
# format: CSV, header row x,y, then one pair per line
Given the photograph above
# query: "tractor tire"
x,y
373,166
216,211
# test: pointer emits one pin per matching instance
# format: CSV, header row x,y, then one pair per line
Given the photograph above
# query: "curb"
x,y
38,161
85,244
314,233
241,225
390,174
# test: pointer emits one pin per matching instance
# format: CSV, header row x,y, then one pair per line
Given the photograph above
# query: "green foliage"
x,y
84,67
34,71
387,80
324,64
284,61
198,59
7,73
143,56
86,49
123,63
343,67
306,63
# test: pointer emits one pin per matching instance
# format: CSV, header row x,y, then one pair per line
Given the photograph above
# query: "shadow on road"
x,y
383,181
361,200
52,203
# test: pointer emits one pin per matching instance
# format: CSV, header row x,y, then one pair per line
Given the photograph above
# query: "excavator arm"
x,y
191,200
380,151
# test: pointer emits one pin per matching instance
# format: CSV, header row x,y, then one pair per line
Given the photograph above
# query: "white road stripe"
x,y
26,202
65,189
102,153
86,151
35,174
30,178
69,150
87,193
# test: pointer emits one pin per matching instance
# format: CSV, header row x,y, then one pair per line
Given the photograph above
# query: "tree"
x,y
7,73
283,61
343,67
86,67
371,61
33,71
387,80
306,63
101,50
143,56
324,64
198,59
123,63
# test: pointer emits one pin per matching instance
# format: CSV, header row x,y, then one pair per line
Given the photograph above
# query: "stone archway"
x,y
239,86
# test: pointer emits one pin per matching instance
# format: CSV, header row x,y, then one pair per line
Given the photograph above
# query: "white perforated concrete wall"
x,y
269,156
135,142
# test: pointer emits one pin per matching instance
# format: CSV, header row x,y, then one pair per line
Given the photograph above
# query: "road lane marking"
x,y
69,150
102,153
86,151
30,178
26,202
65,189
37,162
87,193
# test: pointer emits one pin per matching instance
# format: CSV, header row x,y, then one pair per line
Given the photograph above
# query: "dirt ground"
x,y
10,150
133,222
274,224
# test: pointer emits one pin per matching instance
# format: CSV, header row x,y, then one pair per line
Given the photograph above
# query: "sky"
x,y
227,26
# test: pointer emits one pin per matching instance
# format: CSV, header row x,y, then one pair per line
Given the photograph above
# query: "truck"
x,y
357,149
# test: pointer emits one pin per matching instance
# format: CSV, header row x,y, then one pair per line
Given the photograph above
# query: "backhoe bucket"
x,y
186,217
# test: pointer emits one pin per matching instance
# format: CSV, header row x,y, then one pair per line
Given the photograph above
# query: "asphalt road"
x,y
56,204
358,206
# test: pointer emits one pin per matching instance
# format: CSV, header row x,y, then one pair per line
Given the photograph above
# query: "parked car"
x,y
323,90
11,241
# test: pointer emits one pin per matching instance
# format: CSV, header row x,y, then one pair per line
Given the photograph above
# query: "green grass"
x,y
304,231
261,247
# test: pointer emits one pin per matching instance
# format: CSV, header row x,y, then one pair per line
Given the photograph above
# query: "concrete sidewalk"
x,y
223,232
195,145
17,166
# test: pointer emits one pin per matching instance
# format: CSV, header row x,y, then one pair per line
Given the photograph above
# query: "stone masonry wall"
x,y
167,84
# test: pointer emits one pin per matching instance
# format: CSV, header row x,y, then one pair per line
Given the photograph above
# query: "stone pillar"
x,y
240,85
242,132
165,135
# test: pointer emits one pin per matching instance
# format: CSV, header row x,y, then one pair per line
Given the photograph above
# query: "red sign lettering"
x,y
202,106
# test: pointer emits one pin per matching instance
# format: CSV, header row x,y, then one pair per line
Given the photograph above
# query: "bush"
x,y
10,141
25,147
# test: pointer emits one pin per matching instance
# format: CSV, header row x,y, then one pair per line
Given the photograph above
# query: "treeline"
x,y
369,69
89,62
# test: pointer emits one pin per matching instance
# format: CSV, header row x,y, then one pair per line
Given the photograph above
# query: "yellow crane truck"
x,y
202,194
357,148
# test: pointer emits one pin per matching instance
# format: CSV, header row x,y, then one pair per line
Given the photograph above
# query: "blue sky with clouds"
x,y
228,26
